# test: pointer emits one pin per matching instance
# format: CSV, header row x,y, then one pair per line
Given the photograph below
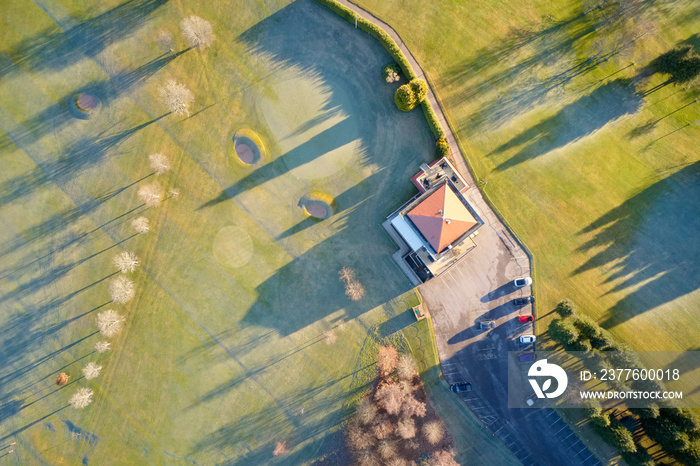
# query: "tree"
x,y
565,308
387,359
387,449
198,32
165,41
346,275
62,379
102,346
406,367
406,428
81,398
442,148
151,194
176,97
109,323
126,261
681,63
587,327
444,458
390,397
280,449
391,72
366,411
433,432
413,408
396,462
354,290
562,331
159,163
622,439
358,438
383,428
91,371
174,192
404,98
420,89
330,337
121,290
140,225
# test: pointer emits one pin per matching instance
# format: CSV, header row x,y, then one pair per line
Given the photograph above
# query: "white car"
x,y
521,282
527,339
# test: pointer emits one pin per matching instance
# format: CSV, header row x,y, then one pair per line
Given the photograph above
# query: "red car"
x,y
528,318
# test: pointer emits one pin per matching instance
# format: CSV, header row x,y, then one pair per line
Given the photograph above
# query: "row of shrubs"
x,y
677,430
376,32
402,95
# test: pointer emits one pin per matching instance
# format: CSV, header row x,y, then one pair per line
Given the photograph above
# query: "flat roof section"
x,y
407,233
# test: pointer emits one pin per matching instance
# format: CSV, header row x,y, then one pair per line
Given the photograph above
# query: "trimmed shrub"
x,y
565,308
419,88
432,119
442,148
404,98
391,72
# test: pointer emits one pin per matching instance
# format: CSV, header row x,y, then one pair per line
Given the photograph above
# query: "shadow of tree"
x,y
649,240
588,114
54,49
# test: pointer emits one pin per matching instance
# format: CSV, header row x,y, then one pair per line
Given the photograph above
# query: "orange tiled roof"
x,y
442,218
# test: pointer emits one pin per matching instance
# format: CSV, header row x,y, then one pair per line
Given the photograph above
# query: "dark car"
x,y
527,318
527,357
461,387
524,301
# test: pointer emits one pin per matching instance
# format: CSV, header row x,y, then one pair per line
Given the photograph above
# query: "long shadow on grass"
x,y
588,114
649,240
54,49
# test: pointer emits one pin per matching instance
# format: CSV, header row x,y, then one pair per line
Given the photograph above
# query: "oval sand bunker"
x,y
86,102
247,150
232,247
316,208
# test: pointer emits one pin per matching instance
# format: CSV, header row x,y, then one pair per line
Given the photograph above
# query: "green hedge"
x,y
433,122
376,32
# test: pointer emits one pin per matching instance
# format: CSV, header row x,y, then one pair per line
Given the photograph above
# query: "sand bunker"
x,y
247,149
232,247
316,206
86,102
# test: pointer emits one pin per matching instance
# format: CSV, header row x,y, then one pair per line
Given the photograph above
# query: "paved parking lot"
x,y
479,288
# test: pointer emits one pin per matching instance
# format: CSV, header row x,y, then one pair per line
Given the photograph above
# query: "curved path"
x,y
479,288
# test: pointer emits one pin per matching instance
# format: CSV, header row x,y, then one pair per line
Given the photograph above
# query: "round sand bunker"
x,y
84,106
247,150
86,102
316,207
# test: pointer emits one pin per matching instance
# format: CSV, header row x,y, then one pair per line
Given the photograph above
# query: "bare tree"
x,y
91,371
159,163
406,367
165,41
140,225
390,397
346,275
366,411
396,462
355,290
81,398
387,449
412,407
406,428
174,192
330,337
197,32
383,428
151,194
110,323
445,458
281,448
121,290
358,438
102,346
176,97
126,261
366,457
433,432
62,379
387,359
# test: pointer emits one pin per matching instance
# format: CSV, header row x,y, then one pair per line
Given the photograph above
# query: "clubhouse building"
x,y
436,228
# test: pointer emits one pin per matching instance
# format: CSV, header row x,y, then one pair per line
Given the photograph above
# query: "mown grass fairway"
x,y
599,178
224,352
